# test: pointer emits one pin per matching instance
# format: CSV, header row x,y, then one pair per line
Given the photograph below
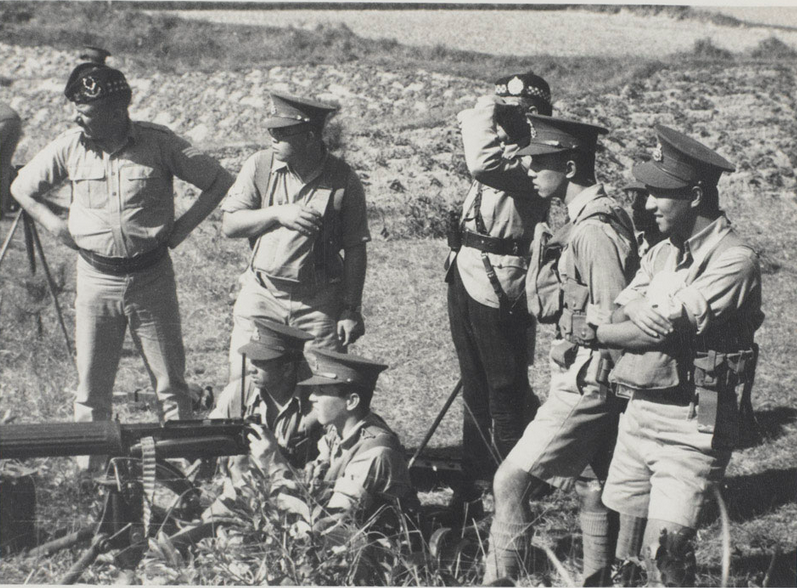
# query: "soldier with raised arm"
x,y
486,270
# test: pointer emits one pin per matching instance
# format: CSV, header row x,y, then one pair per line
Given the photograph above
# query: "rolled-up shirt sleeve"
x,y
47,169
721,290
244,194
484,152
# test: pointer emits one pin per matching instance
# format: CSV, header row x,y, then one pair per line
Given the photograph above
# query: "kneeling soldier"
x,y
573,280
275,360
687,325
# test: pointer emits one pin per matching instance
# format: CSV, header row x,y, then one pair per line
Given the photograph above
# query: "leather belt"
x,y
120,266
677,396
496,245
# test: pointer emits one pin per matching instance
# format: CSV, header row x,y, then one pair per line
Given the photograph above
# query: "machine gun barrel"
x,y
187,439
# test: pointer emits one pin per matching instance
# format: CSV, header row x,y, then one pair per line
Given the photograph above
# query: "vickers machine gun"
x,y
136,461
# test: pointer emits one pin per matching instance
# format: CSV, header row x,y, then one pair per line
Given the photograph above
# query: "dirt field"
x,y
517,32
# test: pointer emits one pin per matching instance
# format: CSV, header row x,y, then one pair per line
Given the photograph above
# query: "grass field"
x,y
397,128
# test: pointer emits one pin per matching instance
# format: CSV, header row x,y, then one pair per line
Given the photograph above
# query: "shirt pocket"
x,y
89,188
145,186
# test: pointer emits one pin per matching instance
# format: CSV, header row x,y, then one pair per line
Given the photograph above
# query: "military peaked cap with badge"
x,y
93,81
331,367
271,340
551,134
679,161
525,85
287,111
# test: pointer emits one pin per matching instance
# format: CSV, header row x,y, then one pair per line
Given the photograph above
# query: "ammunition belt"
x,y
495,245
120,266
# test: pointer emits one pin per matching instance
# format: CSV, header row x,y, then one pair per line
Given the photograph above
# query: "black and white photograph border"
x,y
398,74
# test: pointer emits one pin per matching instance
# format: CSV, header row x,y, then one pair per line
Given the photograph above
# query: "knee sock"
x,y
598,539
509,543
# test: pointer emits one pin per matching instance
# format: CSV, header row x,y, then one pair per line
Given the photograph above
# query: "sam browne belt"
x,y
496,245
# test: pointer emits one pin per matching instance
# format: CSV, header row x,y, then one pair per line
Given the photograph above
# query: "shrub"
x,y
773,48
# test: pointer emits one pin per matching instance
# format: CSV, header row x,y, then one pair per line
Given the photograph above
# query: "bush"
x,y
773,48
706,49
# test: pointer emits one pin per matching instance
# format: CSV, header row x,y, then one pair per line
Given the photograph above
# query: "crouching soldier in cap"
x,y
687,324
301,207
578,274
492,331
270,393
360,458
122,224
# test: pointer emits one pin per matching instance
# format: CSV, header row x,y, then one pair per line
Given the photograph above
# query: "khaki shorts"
x,y
574,429
663,466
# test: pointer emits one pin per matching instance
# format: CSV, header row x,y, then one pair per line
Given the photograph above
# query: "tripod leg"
x,y
436,422
51,284
7,242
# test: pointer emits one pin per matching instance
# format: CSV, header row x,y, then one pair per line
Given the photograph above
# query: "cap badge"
x,y
91,89
532,130
515,86
272,110
657,156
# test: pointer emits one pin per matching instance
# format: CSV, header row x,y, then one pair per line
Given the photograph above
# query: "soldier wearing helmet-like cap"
x,y
122,224
574,277
687,323
490,240
360,457
303,211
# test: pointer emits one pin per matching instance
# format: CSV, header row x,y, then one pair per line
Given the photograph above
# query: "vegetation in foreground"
x,y
744,102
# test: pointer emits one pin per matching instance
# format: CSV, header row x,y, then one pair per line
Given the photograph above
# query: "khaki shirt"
x,y
123,202
366,465
286,187
510,207
603,258
297,431
681,286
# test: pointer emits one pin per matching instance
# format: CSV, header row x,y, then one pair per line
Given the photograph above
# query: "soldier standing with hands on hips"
x,y
486,271
122,223
300,207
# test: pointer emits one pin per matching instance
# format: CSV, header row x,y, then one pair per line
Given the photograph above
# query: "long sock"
x,y
598,539
509,542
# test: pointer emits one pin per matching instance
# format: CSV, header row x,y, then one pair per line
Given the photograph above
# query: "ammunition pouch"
x,y
716,374
564,352
454,231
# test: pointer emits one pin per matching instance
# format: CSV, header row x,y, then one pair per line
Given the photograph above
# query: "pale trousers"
x,y
105,306
314,312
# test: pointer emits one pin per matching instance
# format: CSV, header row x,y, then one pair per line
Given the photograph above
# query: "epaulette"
x,y
153,126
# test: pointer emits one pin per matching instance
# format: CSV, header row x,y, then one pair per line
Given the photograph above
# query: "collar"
x,y
313,175
132,135
357,431
579,203
699,245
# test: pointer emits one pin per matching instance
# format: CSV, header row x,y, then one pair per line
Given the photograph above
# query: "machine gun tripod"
x,y
33,246
138,455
